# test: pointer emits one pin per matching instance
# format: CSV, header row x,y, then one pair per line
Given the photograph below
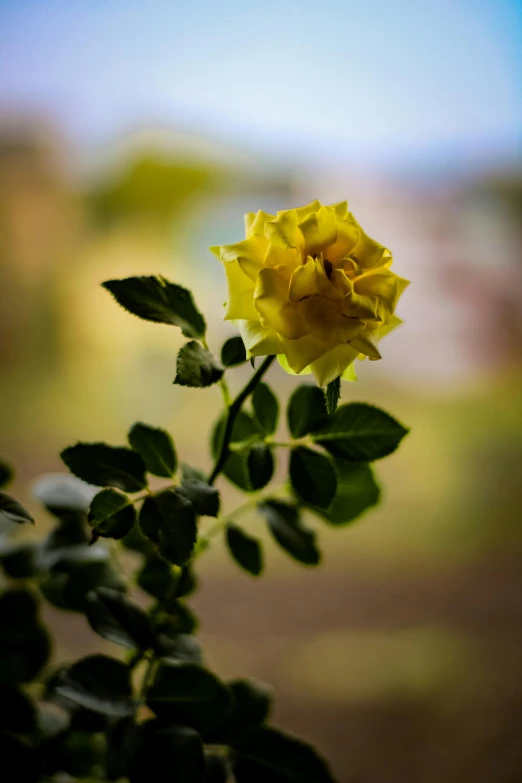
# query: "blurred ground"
x,y
400,656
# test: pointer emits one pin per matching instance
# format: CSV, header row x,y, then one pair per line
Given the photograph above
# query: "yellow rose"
x,y
310,286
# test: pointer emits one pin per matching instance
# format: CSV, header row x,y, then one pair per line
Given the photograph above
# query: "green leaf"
x,y
233,352
156,299
203,497
6,473
245,550
306,410
236,467
189,694
167,753
265,754
17,715
25,644
360,433
266,408
74,752
180,647
12,511
156,447
252,701
179,620
111,514
332,395
157,577
20,561
196,367
357,491
68,499
99,683
17,754
106,466
75,572
114,617
168,519
289,531
313,476
260,465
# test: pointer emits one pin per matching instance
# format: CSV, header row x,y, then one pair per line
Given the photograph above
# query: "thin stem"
x,y
233,411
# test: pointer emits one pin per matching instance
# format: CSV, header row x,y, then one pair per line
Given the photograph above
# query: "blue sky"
x,y
375,78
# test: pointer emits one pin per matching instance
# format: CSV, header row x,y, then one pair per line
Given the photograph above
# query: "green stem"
x,y
233,411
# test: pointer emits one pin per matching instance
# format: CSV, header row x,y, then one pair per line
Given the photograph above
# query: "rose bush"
x,y
310,286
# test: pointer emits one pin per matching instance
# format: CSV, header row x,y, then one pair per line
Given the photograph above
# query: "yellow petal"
x,y
300,353
283,361
240,302
258,340
333,364
290,256
341,281
255,222
326,322
341,210
253,248
303,281
393,323
319,230
347,238
250,266
381,284
274,307
303,212
364,343
283,232
325,287
370,254
349,374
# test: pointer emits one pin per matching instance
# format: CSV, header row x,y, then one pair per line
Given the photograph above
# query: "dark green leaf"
x,y
167,753
156,299
189,473
20,561
251,708
216,769
233,352
17,713
6,473
156,447
111,514
12,511
306,410
260,463
313,476
236,467
19,760
179,620
74,752
122,738
113,616
99,683
77,571
245,550
136,542
265,754
203,497
157,577
106,466
357,491
25,644
168,519
65,496
360,433
196,367
266,408
181,647
189,694
289,531
332,395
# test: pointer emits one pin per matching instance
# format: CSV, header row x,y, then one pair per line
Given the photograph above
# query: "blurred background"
x,y
132,136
